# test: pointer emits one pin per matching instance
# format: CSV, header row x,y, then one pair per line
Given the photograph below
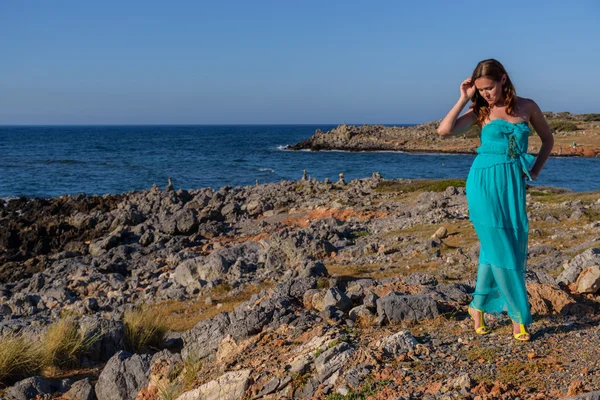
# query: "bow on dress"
x,y
525,159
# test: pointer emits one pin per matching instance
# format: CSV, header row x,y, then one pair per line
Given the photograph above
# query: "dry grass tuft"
x,y
180,316
144,329
192,366
64,343
19,358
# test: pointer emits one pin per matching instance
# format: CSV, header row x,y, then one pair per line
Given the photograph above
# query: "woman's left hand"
x,y
534,175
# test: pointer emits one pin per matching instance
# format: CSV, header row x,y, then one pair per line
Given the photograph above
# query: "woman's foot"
x,y
520,332
479,323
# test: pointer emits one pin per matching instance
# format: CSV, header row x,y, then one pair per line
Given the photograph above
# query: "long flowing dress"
x,y
495,190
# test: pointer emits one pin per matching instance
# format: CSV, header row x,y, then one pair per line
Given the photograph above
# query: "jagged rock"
x,y
420,278
308,296
186,274
318,299
81,390
356,290
546,299
204,338
183,222
396,307
229,386
333,314
370,301
312,268
163,367
540,249
30,388
300,364
337,298
331,360
109,336
296,287
292,247
588,258
356,376
123,376
232,261
451,293
451,191
585,396
589,280
308,390
250,318
398,343
362,315
270,387
111,241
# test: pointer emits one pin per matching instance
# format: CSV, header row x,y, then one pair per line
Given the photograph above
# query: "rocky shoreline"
x,y
297,289
583,129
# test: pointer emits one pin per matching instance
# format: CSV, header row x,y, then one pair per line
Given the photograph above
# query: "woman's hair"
x,y
492,69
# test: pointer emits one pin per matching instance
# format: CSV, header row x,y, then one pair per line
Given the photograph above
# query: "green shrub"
x,y
591,117
415,185
562,125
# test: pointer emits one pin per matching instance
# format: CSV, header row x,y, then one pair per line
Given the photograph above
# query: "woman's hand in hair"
x,y
467,89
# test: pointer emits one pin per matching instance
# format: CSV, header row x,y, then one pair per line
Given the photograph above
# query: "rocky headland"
x,y
581,129
297,289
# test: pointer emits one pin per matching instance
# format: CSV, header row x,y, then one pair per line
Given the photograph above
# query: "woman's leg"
x,y
484,287
511,283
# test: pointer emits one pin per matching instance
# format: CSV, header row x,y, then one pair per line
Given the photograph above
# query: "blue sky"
x,y
236,62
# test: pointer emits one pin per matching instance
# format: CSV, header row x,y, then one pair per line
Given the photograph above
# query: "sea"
x,y
51,161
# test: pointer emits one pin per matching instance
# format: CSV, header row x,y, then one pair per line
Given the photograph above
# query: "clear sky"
x,y
254,61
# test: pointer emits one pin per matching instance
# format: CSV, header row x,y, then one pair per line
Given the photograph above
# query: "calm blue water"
x,y
52,161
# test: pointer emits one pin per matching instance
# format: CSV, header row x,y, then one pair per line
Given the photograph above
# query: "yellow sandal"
x,y
482,329
523,335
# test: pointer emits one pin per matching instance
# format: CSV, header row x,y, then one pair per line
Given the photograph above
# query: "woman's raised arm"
x,y
450,125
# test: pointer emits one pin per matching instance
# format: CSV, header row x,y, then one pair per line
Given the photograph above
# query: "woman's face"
x,y
490,89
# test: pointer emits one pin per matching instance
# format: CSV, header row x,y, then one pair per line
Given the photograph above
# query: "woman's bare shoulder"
x,y
528,106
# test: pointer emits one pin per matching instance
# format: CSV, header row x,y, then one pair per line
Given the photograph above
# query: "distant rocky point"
x,y
568,129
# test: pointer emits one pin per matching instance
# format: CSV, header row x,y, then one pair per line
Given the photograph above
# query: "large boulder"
x,y
589,258
81,390
589,280
203,339
123,376
30,388
396,307
107,336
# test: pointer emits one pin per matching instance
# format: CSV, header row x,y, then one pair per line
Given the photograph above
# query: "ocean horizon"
x,y
53,160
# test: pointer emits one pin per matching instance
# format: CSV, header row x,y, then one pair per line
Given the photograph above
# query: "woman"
x,y
496,189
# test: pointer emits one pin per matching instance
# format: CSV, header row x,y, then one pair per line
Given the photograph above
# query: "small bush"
x,y
561,125
144,329
359,233
591,117
64,343
19,358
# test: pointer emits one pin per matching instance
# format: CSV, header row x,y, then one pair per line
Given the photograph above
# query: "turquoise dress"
x,y
495,191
